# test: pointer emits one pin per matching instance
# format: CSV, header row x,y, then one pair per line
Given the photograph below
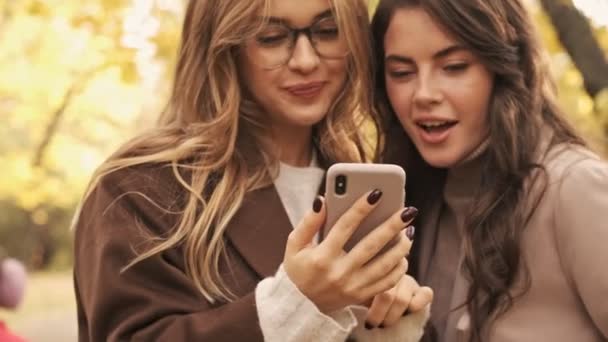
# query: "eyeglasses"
x,y
274,46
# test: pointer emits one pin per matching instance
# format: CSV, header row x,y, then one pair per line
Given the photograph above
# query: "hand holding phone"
x,y
333,279
346,182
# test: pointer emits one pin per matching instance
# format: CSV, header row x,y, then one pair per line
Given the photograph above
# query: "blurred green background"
x,y
78,78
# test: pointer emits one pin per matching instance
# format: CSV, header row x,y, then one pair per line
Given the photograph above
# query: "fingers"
x,y
377,268
369,246
379,308
405,292
421,298
302,236
389,280
350,221
388,307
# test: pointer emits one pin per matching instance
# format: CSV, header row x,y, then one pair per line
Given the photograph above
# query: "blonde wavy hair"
x,y
210,123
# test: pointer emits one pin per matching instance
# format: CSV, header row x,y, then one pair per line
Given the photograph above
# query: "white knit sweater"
x,y
286,315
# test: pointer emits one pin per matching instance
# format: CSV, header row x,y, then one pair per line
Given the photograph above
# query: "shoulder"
x,y
567,165
148,192
578,198
158,181
577,191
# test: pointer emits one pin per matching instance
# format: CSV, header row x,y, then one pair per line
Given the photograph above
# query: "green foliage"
x,y
76,82
589,115
38,236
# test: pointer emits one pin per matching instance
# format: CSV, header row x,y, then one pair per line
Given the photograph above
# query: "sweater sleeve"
x,y
287,315
582,233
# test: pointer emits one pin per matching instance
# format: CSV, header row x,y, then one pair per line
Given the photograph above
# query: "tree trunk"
x,y
58,114
576,35
52,127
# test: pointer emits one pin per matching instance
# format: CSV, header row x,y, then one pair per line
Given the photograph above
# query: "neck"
x,y
465,177
295,145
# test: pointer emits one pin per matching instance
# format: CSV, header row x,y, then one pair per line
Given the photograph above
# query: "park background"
x,y
78,78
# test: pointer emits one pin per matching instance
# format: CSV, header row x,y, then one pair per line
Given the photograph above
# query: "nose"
x,y
427,91
304,57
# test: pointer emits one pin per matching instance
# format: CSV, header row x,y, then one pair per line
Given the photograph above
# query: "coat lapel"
x,y
458,324
259,230
428,239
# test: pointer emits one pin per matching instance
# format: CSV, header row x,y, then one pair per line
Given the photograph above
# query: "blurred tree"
x,y
577,37
77,79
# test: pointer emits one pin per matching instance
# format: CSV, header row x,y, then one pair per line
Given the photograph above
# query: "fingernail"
x,y
374,197
409,214
381,326
410,231
317,205
368,326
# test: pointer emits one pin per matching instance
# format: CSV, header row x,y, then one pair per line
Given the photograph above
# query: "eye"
x,y
400,74
327,33
456,67
273,37
326,29
272,40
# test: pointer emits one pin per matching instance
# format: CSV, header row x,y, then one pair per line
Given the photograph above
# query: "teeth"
x,y
434,124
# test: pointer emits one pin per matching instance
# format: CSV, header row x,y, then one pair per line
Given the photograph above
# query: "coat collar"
x,y
259,230
428,234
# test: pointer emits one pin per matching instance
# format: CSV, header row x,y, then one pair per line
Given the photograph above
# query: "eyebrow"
x,y
325,14
437,55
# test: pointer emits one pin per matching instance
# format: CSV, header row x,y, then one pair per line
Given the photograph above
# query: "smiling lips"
x,y
434,131
306,90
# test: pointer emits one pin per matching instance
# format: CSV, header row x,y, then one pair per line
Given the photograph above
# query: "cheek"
x,y
399,99
256,79
479,95
261,84
337,70
480,107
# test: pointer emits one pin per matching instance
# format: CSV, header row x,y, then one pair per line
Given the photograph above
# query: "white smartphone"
x,y
347,182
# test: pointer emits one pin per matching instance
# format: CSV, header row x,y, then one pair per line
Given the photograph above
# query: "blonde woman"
x,y
187,233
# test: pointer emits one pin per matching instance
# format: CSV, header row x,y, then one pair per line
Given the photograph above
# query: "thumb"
x,y
423,296
302,236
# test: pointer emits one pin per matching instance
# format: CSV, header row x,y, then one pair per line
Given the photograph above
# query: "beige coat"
x,y
565,248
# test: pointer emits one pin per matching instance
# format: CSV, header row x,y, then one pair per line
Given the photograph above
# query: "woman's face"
x,y
439,90
291,81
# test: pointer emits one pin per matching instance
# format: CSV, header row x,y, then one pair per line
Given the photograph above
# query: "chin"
x,y
439,159
307,116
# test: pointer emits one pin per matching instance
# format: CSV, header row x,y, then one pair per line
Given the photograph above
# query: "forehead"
x,y
298,12
412,29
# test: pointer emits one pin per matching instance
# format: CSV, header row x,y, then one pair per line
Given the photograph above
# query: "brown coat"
x,y
564,246
155,300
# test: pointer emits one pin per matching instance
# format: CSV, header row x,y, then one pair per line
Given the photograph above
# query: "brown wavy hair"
x,y
522,110
214,132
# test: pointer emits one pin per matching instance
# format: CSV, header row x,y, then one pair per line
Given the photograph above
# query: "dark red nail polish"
x,y
410,232
368,326
409,214
317,205
374,197
381,326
